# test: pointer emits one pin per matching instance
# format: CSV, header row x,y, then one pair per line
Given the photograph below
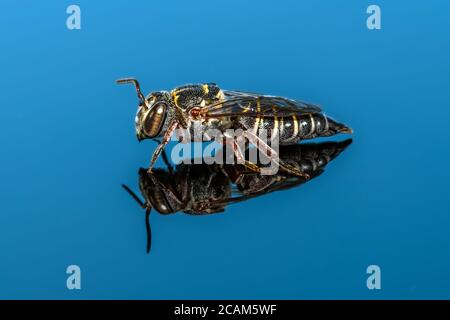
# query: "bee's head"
x,y
151,115
152,112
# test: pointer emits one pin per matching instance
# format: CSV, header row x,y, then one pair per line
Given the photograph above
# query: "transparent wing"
x,y
239,103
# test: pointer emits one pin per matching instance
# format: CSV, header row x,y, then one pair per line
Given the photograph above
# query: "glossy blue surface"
x,y
68,142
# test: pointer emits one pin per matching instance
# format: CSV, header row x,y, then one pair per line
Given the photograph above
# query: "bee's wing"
x,y
239,103
284,184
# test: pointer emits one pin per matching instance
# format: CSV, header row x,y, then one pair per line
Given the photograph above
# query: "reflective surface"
x,y
68,143
200,189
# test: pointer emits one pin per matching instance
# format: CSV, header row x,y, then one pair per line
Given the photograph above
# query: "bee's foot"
x,y
252,167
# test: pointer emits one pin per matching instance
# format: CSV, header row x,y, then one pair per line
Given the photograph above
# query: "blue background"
x,y
67,143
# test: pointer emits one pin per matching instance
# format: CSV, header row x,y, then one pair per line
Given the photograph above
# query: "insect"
x,y
206,106
201,189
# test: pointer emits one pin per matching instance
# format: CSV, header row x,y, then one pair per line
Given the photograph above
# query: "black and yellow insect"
x,y
206,106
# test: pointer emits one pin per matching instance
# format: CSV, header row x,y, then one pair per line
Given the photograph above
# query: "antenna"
x,y
134,196
148,229
136,85
148,209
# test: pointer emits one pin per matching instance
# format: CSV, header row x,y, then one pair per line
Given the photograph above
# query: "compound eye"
x,y
154,120
160,108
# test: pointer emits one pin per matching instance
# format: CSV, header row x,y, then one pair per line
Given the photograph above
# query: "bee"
x,y
206,106
202,189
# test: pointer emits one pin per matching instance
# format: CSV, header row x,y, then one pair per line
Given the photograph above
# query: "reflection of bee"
x,y
206,106
199,189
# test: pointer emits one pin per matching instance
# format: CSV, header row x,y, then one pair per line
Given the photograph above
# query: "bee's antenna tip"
x,y
136,85
123,80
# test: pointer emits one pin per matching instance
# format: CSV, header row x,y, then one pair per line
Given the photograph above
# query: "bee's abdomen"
x,y
308,126
302,127
291,129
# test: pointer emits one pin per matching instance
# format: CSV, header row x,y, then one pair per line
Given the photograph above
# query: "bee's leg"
x,y
241,159
165,158
292,170
162,145
264,147
166,161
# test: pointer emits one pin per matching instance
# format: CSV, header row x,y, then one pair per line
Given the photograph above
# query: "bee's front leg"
x,y
165,158
162,145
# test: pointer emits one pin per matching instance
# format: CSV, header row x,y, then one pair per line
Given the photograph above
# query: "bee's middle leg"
x,y
273,155
240,156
